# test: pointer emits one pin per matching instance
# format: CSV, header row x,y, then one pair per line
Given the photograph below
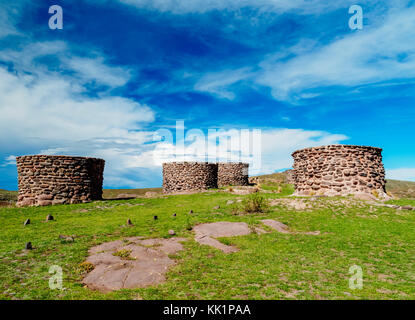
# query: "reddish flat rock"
x,y
147,264
206,233
280,227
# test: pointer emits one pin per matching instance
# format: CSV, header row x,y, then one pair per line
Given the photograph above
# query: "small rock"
x,y
66,238
230,202
407,208
155,217
171,232
49,217
28,246
216,208
26,222
129,223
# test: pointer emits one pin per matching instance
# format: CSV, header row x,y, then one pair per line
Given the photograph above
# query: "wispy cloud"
x,y
218,83
374,55
401,174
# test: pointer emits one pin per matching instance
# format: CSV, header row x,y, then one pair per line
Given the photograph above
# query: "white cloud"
x,y
217,83
50,113
382,53
82,69
401,174
375,54
97,70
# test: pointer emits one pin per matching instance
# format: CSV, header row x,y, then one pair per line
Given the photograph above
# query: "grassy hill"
x,y
274,265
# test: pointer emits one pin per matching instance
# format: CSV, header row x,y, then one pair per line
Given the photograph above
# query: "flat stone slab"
x,y
146,265
276,225
206,233
282,228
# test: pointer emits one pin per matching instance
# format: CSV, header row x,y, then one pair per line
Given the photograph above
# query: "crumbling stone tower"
x,y
232,174
45,180
339,170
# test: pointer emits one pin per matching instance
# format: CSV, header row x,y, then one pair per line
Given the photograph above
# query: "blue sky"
x,y
122,69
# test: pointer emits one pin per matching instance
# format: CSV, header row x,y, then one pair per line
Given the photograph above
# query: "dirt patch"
x,y
208,232
280,227
146,265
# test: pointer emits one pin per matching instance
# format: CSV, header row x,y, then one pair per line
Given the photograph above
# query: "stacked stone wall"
x,y
339,170
233,174
189,176
45,180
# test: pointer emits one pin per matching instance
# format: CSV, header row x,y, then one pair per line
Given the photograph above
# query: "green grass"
x,y
269,266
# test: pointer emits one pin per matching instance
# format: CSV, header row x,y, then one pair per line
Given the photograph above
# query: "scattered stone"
x,y
407,208
230,202
28,246
66,238
150,264
171,232
26,222
151,194
129,223
49,217
216,208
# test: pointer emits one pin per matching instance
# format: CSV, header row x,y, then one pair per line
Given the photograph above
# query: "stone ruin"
x,y
46,180
339,170
232,174
197,176
189,176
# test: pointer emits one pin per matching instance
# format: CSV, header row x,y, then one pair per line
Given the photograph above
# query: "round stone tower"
x,y
339,170
233,174
189,176
45,180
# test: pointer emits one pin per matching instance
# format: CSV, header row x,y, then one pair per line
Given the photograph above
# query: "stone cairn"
x,y
46,180
189,176
339,170
232,174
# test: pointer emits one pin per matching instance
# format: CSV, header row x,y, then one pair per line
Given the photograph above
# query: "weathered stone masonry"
x,y
188,176
194,176
339,170
45,180
233,174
